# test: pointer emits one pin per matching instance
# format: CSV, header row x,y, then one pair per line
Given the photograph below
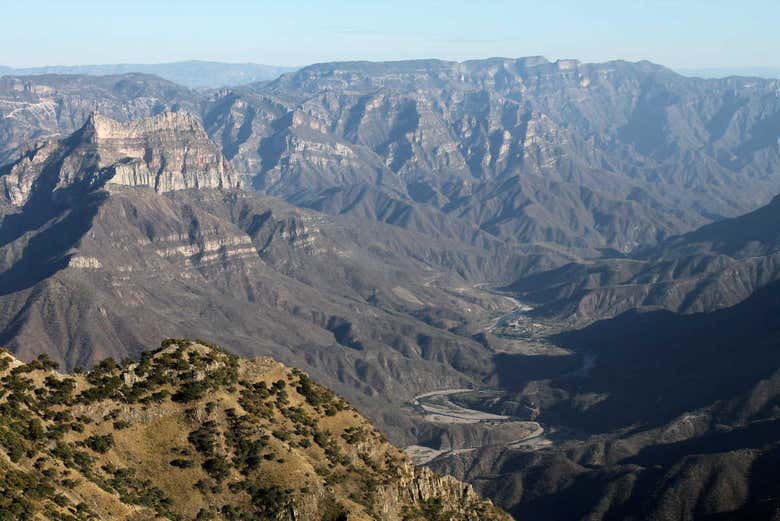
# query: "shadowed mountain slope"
x,y
675,417
713,267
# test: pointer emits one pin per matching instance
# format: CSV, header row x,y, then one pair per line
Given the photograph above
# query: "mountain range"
x,y
588,156
195,74
531,273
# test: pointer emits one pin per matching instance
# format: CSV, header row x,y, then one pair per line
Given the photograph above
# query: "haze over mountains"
x,y
385,226
723,72
192,73
214,74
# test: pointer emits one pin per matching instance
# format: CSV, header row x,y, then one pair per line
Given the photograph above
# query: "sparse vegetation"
x,y
241,460
100,444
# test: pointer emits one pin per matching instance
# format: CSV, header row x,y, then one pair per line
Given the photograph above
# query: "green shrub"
x,y
121,425
217,467
182,463
191,391
204,439
100,444
353,435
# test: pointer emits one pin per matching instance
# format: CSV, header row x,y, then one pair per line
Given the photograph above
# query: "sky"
x,y
683,34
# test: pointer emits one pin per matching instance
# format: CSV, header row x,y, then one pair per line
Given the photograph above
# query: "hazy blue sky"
x,y
677,33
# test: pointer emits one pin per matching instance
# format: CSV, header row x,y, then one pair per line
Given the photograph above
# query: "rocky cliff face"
x,y
606,155
588,156
190,432
167,152
41,107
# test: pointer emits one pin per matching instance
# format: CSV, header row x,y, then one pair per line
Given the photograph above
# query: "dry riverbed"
x,y
438,407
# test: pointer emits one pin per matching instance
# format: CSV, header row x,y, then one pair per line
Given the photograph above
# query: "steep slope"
x,y
125,233
670,417
629,153
713,267
191,432
588,156
39,107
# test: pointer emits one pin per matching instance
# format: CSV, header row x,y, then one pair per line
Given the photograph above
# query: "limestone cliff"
x,y
170,151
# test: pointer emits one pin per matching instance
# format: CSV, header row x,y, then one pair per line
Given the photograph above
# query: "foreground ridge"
x,y
192,432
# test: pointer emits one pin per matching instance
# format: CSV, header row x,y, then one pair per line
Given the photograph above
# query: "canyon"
x,y
496,261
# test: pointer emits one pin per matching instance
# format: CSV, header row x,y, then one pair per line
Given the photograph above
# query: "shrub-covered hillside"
x,y
190,432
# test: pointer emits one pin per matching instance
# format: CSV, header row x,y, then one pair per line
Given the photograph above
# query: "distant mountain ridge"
x,y
191,73
610,155
713,267
725,72
585,156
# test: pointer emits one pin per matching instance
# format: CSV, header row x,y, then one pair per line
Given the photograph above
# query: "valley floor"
x,y
438,407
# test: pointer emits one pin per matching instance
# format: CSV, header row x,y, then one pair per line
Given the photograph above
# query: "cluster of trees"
x,y
135,491
322,399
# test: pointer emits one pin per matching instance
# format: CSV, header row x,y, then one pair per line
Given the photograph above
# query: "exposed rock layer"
x,y
588,156
167,152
